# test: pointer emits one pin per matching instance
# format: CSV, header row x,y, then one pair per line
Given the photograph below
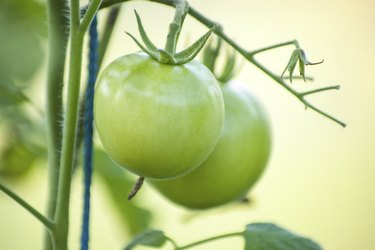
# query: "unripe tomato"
x,y
236,163
156,120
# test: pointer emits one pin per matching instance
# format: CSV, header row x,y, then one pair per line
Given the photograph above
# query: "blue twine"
x,y
88,130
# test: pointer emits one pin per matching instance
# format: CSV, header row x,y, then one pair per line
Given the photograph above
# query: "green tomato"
x,y
236,163
156,120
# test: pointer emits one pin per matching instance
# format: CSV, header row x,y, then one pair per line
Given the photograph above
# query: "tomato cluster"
x,y
166,123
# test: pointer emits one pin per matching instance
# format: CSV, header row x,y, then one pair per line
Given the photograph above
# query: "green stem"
x,y
182,9
308,78
69,130
89,14
336,87
172,242
209,239
293,42
44,220
68,147
58,23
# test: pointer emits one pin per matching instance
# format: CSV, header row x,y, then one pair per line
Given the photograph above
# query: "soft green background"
x,y
320,180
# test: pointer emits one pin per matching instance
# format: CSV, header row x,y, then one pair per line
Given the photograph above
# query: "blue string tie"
x,y
88,130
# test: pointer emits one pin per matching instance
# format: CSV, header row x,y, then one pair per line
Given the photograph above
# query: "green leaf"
x,y
266,236
151,238
20,44
23,143
188,54
10,95
134,218
17,159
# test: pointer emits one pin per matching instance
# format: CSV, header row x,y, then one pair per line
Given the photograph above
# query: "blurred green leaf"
x,y
17,159
22,25
266,236
10,95
23,140
151,238
134,218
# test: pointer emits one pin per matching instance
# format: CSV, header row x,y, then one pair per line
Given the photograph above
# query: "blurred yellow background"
x,y
320,181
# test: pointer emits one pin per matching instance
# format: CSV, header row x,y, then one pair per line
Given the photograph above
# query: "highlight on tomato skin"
x,y
156,120
237,162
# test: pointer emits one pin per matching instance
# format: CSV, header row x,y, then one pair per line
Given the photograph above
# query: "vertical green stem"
x,y
182,9
68,146
69,130
58,23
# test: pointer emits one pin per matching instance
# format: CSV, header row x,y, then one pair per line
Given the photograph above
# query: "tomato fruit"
x,y
157,120
236,163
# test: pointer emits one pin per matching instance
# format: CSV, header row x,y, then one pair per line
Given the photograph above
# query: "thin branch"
x,y
336,87
308,78
46,222
172,242
89,15
210,239
309,105
295,93
257,51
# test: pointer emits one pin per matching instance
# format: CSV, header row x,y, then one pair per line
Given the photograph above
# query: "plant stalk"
x,y
210,239
68,146
69,130
182,9
58,23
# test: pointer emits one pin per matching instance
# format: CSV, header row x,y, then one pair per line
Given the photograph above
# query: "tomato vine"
x,y
249,55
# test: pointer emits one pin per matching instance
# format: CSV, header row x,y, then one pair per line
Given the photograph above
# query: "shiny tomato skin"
x,y
156,120
236,163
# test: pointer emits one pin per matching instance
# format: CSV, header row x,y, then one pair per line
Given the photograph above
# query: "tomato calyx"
x,y
210,58
298,56
169,55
